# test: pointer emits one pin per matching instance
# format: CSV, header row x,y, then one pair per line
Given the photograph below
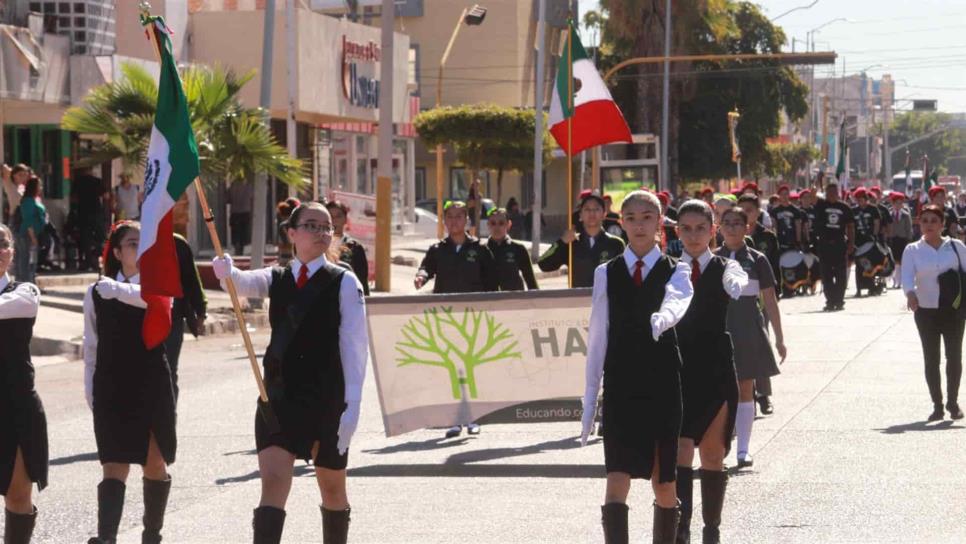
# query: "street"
x,y
845,458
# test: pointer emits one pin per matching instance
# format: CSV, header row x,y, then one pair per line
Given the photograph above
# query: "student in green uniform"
x,y
513,264
592,247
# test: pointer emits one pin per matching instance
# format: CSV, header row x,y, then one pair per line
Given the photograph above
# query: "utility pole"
x,y
384,165
665,178
291,70
826,100
886,110
260,188
538,135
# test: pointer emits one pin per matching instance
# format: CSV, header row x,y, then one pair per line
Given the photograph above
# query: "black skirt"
x,y
24,426
299,431
704,392
636,427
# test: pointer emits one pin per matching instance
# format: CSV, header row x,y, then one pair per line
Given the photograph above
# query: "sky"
x,y
921,43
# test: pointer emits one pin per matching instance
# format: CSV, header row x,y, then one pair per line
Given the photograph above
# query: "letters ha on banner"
x,y
361,224
510,357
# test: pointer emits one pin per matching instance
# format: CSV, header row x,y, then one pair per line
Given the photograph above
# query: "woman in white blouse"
x,y
923,262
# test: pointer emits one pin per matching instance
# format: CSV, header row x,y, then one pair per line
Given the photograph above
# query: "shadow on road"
x,y
480,471
300,470
920,426
425,445
71,459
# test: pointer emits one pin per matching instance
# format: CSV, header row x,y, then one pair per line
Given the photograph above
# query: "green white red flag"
x,y
596,119
172,165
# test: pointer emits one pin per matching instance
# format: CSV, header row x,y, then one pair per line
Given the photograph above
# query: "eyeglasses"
x,y
315,228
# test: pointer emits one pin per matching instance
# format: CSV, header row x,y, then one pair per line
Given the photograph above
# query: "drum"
x,y
814,269
889,264
871,259
793,269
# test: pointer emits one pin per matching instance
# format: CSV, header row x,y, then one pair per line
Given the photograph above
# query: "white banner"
x,y
442,360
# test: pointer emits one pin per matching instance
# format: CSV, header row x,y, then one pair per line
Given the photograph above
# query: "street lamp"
x,y
810,36
470,17
794,9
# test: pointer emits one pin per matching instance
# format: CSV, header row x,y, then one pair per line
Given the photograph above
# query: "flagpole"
x,y
570,147
219,251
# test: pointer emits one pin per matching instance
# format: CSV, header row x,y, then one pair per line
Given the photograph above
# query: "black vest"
x,y
16,370
303,361
120,344
634,360
702,332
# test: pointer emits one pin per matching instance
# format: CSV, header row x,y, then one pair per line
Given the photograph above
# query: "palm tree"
x,y
233,144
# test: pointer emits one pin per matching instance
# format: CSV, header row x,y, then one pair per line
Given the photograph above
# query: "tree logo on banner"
x,y
443,338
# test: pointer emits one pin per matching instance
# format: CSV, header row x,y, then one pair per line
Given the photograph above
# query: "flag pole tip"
x,y
145,8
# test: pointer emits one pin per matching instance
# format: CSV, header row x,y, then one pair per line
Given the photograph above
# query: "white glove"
x,y
658,325
587,420
347,425
222,266
107,288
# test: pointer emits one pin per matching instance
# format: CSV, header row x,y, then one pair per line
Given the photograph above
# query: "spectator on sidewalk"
x,y
517,220
87,193
924,263
14,179
127,200
33,219
240,195
344,248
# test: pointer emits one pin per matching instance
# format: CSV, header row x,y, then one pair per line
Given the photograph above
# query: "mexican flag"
x,y
172,165
595,117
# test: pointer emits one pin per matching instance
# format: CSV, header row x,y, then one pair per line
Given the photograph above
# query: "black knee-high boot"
x,y
713,486
155,503
685,485
19,527
268,522
613,516
110,506
335,525
666,524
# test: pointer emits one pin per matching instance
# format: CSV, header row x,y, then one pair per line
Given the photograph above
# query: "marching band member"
x,y
315,366
592,247
23,427
641,289
512,260
901,233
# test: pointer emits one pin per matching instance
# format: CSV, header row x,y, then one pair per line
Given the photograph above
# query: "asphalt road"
x,y
845,458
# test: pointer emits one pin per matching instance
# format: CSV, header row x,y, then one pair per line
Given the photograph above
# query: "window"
x,y
63,22
79,7
420,183
35,7
80,22
80,36
63,7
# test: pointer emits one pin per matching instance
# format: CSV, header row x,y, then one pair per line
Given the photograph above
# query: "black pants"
x,y
934,324
835,271
172,349
241,231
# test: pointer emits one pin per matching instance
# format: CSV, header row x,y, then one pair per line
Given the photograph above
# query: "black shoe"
x,y
335,525
937,413
110,506
453,431
840,306
954,411
858,294
600,429
473,428
267,522
155,503
745,460
613,517
19,527
829,308
685,488
666,522
765,406
713,487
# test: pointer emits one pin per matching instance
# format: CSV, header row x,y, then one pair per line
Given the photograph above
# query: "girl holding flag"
x,y
315,366
129,389
23,427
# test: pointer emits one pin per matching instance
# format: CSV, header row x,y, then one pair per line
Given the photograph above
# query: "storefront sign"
x,y
360,85
509,357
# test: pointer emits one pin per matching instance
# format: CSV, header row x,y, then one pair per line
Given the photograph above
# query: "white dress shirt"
x,y
922,264
734,279
677,297
353,331
21,303
129,292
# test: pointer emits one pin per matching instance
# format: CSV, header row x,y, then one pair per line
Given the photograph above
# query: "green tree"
x,y
232,142
456,343
485,137
786,160
945,149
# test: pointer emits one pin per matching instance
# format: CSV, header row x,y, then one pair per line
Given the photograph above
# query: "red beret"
x,y
584,194
784,187
896,195
750,186
662,196
794,196
876,189
861,192
608,198
936,189
707,191
804,192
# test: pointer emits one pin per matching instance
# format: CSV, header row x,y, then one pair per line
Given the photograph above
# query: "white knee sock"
x,y
746,416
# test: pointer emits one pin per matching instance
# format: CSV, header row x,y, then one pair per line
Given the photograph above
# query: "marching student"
x,y
23,427
640,290
709,386
901,233
513,264
345,248
129,389
924,262
593,245
315,366
754,359
835,232
867,225
460,264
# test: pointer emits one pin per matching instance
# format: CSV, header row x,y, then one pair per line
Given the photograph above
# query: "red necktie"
x,y
695,272
303,277
638,274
